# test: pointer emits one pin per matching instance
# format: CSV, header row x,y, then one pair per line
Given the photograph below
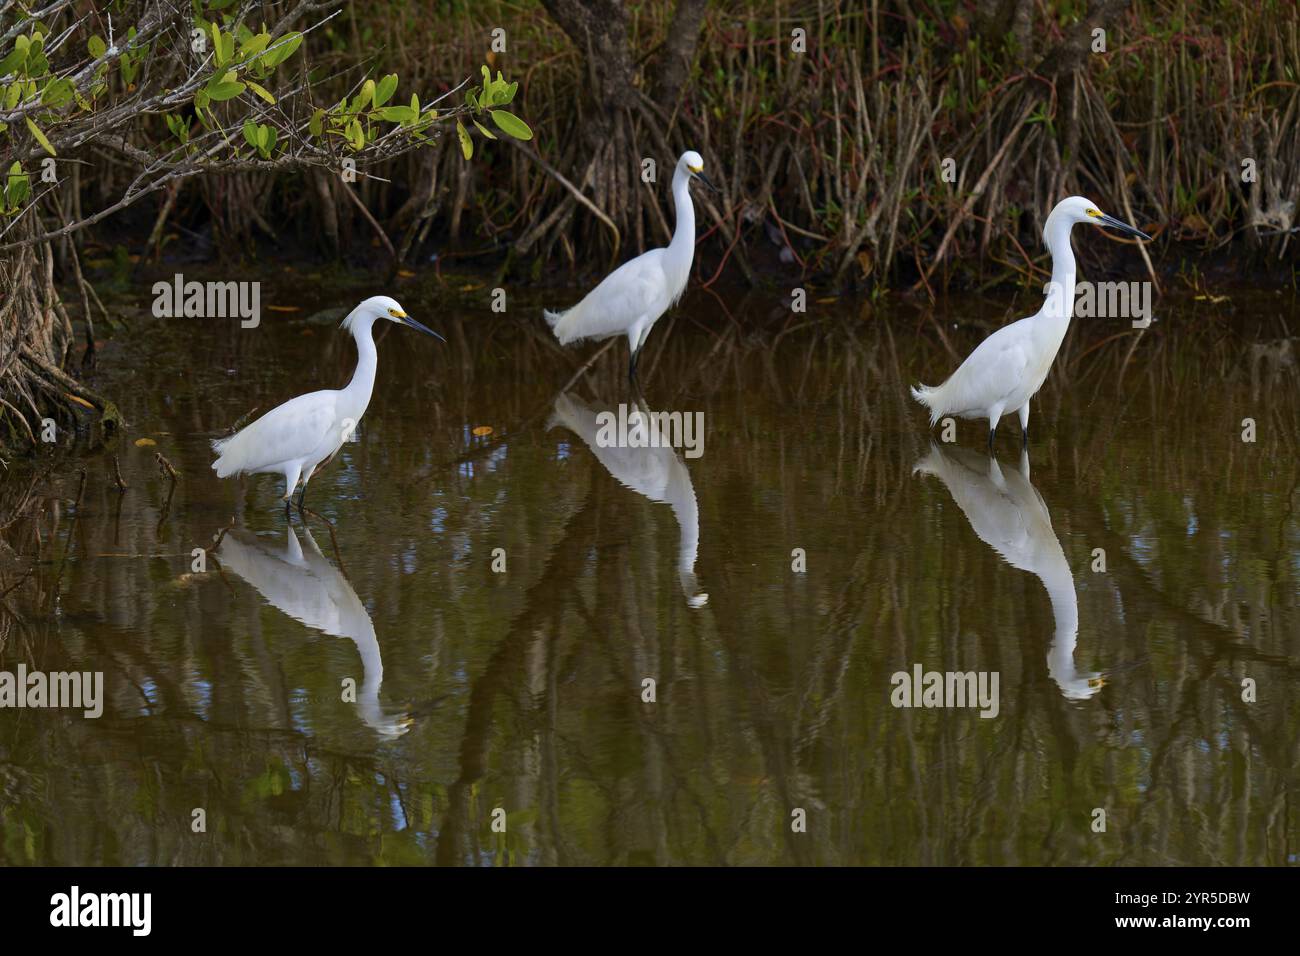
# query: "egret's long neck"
x,y
1060,295
363,379
683,244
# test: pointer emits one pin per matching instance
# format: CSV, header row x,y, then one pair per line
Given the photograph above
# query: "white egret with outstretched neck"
x,y
631,299
1008,368
295,439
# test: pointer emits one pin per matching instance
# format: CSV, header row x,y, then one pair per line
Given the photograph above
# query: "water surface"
x,y
1123,578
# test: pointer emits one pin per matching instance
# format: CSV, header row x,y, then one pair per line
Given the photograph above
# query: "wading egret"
x,y
630,299
1009,515
1008,368
305,586
653,470
298,437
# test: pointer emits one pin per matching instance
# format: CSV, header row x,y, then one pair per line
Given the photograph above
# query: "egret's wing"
x,y
637,288
288,432
634,288
991,371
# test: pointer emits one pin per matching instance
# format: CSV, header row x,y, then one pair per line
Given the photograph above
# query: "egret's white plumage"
x,y
1008,368
296,438
1009,515
631,299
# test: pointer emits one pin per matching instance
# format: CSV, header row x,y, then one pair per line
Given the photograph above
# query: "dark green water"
x,y
1121,689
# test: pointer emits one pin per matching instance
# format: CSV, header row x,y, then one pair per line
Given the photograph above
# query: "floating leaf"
x,y
482,430
144,442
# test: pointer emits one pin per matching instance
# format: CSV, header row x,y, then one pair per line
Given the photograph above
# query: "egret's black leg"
x,y
302,495
1024,437
631,366
992,432
288,499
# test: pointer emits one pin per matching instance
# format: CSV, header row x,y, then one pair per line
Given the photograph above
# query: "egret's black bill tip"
x,y
1114,223
422,328
707,182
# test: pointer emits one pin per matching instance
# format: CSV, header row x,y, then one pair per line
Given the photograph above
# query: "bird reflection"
x,y
305,586
1008,514
658,473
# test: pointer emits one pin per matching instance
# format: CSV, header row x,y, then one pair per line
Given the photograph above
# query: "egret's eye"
x,y
1092,212
397,313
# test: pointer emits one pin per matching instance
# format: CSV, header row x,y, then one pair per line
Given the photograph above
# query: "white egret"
x,y
631,299
297,438
1009,515
1008,368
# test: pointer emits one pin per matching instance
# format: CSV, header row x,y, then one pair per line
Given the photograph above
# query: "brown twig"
x,y
165,467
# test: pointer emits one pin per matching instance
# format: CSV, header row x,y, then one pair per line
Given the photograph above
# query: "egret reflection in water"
x,y
655,471
1009,515
304,585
